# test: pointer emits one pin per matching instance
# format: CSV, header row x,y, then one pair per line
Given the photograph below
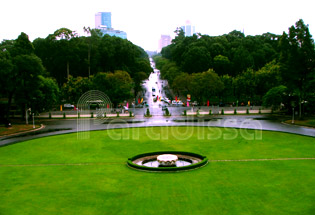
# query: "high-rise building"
x,y
165,40
188,29
103,21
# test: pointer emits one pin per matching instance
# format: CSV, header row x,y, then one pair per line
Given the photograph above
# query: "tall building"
x,y
103,21
188,29
165,40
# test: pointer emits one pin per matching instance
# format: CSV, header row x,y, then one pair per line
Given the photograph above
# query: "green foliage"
x,y
92,115
147,114
235,111
210,112
78,115
204,85
130,114
167,112
49,115
222,112
198,112
221,64
74,88
185,113
64,115
117,86
247,111
196,59
275,96
297,54
117,114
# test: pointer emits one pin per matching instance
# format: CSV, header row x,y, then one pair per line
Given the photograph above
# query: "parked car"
x,y
195,103
180,103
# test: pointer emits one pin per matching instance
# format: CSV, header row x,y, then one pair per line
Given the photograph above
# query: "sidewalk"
x,y
228,112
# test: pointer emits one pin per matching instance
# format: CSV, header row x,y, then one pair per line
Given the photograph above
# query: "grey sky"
x,y
145,20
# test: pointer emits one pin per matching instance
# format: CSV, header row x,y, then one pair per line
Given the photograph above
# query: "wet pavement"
x,y
62,126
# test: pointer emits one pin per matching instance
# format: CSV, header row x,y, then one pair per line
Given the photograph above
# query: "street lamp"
x,y
293,105
33,121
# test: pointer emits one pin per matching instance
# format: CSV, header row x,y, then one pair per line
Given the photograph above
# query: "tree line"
x,y
269,69
61,67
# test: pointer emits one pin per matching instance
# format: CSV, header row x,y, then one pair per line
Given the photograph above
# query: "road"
x,y
154,88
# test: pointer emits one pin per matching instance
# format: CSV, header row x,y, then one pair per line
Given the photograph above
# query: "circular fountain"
x,y
167,161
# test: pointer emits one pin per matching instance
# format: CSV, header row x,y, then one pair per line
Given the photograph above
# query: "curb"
x,y
23,132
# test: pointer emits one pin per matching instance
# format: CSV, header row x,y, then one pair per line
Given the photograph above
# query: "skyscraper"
x,y
165,40
103,21
188,29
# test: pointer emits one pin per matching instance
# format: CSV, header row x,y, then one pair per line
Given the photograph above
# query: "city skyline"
x,y
103,22
146,21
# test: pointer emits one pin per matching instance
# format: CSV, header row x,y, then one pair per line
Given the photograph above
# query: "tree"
x,y
7,89
297,54
275,96
74,88
180,84
204,85
117,86
196,59
221,64
28,68
48,95
245,85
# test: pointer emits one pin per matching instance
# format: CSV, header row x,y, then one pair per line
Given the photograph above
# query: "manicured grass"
x,y
16,129
307,122
30,183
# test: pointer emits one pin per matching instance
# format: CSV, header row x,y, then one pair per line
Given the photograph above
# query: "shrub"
x,y
130,114
92,115
259,111
222,112
235,111
105,114
247,111
117,114
167,112
49,115
185,113
147,113
78,115
64,115
198,113
210,112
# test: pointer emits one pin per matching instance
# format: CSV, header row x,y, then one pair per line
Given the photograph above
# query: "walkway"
x,y
62,126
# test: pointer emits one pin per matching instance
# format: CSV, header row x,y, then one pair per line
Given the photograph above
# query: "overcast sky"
x,y
145,20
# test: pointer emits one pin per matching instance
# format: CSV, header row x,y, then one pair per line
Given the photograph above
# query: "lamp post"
x,y
33,121
26,115
292,104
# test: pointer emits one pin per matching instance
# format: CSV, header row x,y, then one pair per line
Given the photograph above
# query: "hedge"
x,y
168,169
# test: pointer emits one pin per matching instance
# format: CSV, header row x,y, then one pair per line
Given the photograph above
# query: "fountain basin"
x,y
167,161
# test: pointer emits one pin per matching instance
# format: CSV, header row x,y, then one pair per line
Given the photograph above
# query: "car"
x,y
139,106
180,103
164,107
195,103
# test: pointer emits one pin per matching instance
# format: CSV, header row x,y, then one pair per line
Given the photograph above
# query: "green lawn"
x,y
31,182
